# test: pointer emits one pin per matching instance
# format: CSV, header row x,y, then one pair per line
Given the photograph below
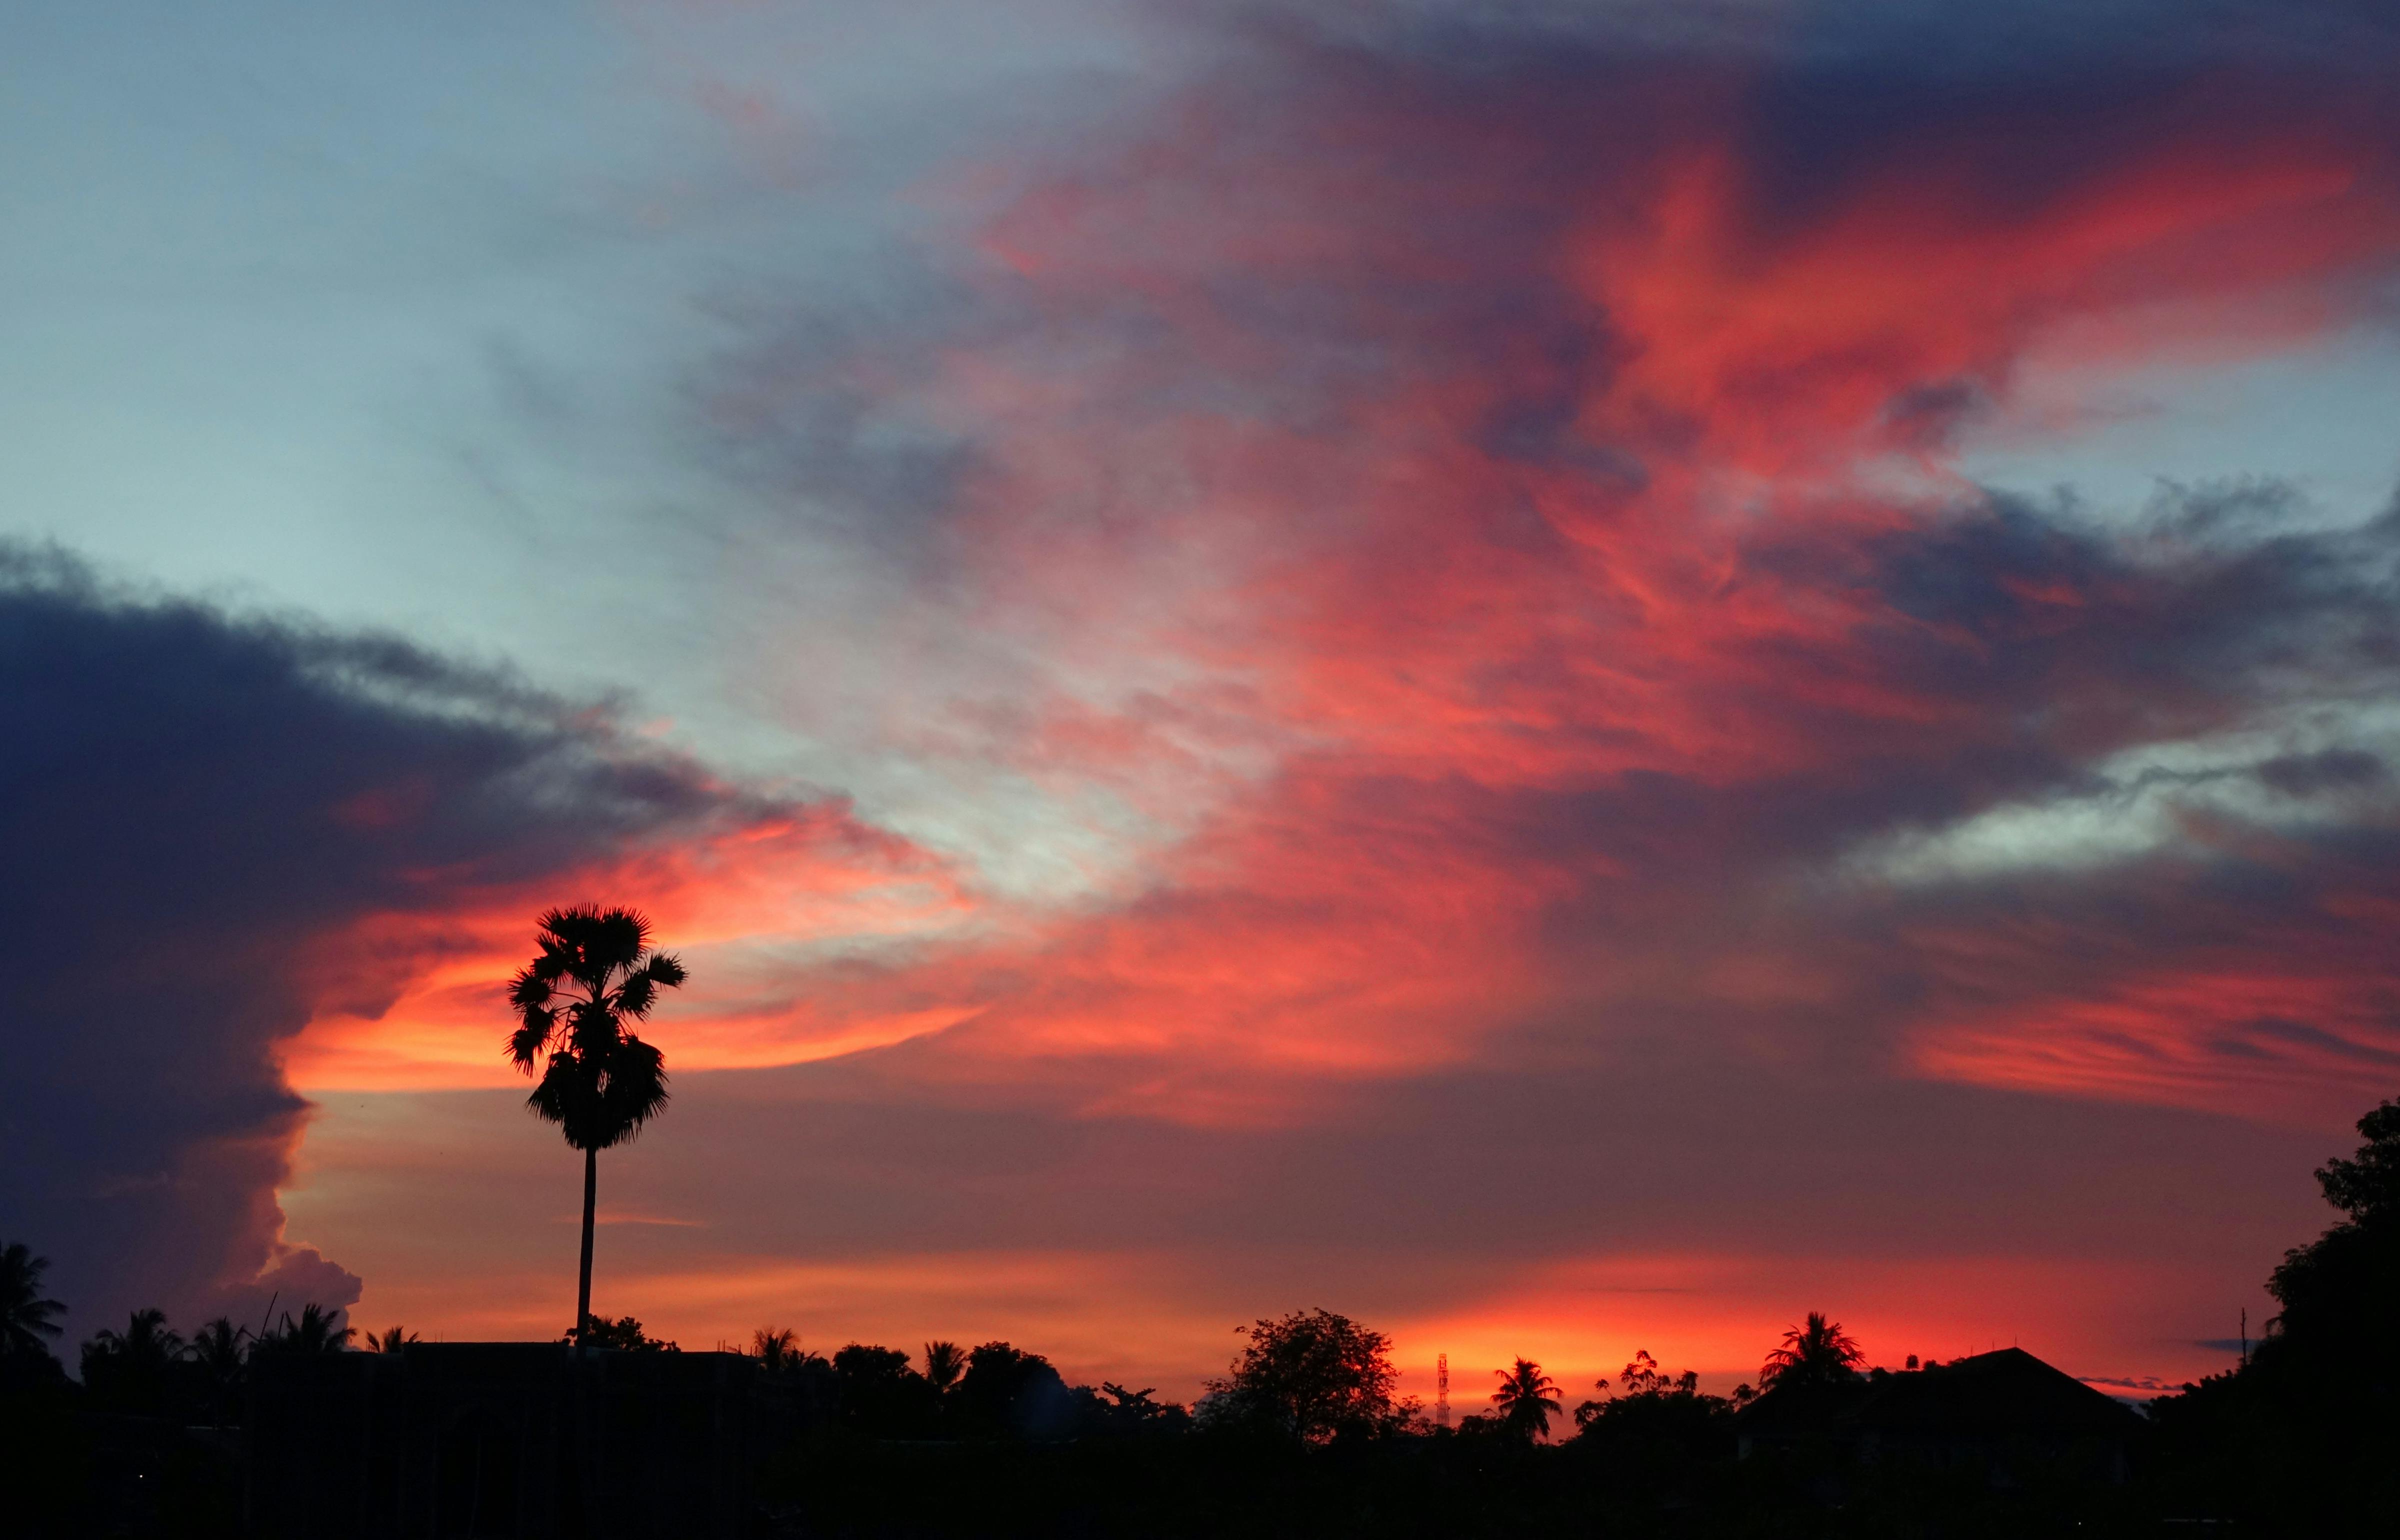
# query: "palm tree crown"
x,y
145,1341
596,973
944,1363
24,1314
220,1348
314,1331
1526,1399
1817,1353
779,1350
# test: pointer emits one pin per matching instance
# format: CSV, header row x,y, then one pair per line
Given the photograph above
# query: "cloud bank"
x,y
217,828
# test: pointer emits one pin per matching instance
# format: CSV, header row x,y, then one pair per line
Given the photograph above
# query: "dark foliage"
x,y
27,1317
315,1329
881,1396
1008,1393
624,1334
1311,1377
1816,1352
2301,1437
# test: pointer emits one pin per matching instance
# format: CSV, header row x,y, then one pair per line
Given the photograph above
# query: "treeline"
x,y
992,1391
1305,1432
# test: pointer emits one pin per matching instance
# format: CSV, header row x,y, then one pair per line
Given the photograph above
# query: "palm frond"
x,y
621,937
633,1090
527,1043
24,1314
559,1092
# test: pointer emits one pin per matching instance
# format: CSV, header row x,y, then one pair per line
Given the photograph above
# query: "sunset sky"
x,y
1569,676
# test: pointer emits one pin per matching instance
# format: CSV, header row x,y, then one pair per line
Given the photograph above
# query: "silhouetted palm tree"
x,y
944,1363
135,1369
1817,1353
313,1332
1526,1399
391,1342
24,1314
145,1341
596,973
777,1351
219,1349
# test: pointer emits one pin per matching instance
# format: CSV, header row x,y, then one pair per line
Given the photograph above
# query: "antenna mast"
x,y
1441,1390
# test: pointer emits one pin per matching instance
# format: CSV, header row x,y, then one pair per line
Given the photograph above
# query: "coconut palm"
x,y
132,1371
389,1342
944,1363
24,1314
218,1349
599,1082
314,1331
145,1341
1526,1398
1816,1353
778,1351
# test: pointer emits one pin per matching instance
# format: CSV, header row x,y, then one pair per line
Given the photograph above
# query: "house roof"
x,y
2002,1394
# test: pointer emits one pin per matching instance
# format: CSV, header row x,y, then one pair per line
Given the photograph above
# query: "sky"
x,y
1573,677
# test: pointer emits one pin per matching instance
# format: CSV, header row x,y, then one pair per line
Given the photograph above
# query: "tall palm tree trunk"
x,y
584,1289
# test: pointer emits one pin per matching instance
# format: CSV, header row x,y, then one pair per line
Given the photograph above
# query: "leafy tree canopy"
x,y
624,1334
2366,1187
1313,1375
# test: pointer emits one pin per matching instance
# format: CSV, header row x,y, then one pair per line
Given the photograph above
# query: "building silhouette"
x,y
2002,1413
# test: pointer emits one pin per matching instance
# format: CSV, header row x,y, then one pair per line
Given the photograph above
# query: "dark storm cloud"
x,y
191,804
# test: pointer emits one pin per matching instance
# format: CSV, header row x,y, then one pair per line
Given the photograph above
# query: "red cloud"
x,y
1390,467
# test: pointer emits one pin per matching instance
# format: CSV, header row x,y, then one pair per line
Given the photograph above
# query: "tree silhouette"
x,y
944,1363
1526,1399
389,1342
1007,1390
1816,1353
2298,1439
880,1396
145,1341
2336,1342
312,1331
778,1351
2366,1187
25,1315
624,1334
1312,1375
133,1370
600,1082
218,1351
1643,1381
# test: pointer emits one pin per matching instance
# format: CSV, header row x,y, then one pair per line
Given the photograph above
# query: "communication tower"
x,y
1441,1390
